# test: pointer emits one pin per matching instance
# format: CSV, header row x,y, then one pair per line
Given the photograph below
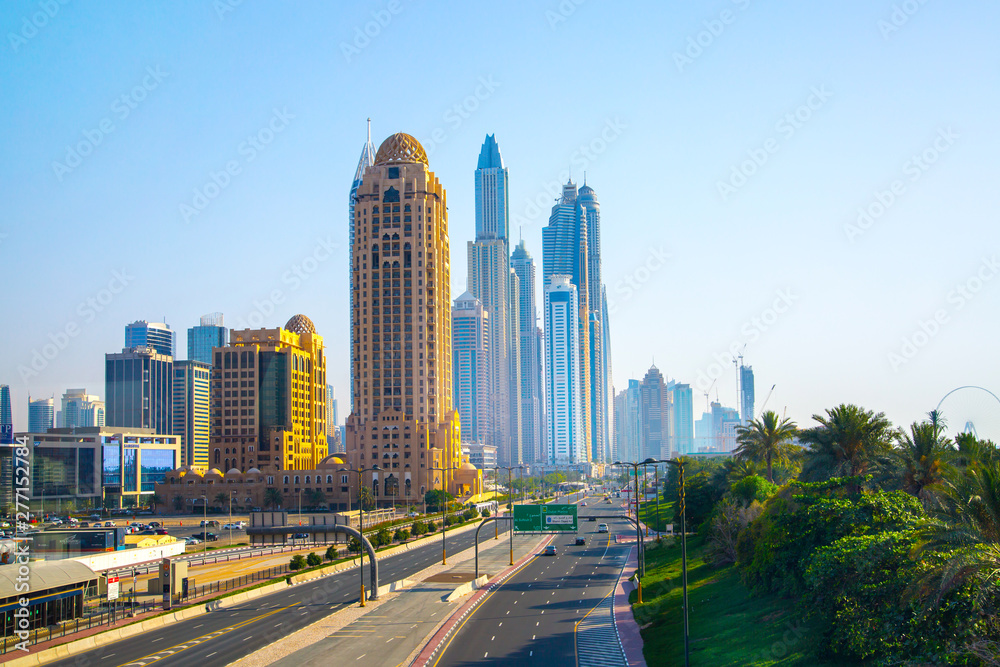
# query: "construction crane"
x,y
766,400
708,407
738,365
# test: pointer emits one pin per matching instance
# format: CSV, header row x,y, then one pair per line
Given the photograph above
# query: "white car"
x,y
602,527
192,540
237,525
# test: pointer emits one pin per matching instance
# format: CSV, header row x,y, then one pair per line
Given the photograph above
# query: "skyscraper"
x,y
563,394
156,335
682,418
81,409
138,389
269,399
403,419
654,406
40,414
210,333
333,441
191,414
628,424
366,160
470,333
532,401
6,416
490,282
746,393
571,246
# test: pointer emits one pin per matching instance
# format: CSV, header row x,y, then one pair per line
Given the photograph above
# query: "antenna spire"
x,y
369,129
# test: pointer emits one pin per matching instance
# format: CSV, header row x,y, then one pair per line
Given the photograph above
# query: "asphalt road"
x,y
532,618
219,638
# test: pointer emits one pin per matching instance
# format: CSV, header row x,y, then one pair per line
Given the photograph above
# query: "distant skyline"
x,y
816,182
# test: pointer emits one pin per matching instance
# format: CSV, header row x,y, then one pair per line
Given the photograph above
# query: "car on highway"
x,y
591,518
580,541
602,527
206,537
160,531
550,550
109,524
192,540
211,523
583,503
608,501
155,524
148,531
301,536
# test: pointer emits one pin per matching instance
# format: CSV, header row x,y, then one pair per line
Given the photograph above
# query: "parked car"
x,y
94,517
206,537
109,524
84,525
591,518
147,532
602,527
580,541
300,536
155,524
160,531
192,540
550,550
210,523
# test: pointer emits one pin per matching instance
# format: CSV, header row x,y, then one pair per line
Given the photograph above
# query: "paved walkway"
x,y
628,629
391,630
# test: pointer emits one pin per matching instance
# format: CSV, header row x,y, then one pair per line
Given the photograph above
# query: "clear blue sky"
x,y
665,122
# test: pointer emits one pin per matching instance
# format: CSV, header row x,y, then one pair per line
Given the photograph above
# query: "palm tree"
x,y
849,441
367,498
178,504
154,500
921,456
766,440
965,526
222,498
316,497
272,498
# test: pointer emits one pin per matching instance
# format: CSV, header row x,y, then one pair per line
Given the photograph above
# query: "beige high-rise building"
x,y
268,405
403,418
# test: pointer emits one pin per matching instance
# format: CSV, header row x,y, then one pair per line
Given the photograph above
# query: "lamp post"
x,y
679,462
444,513
496,485
510,501
231,518
361,523
204,525
640,546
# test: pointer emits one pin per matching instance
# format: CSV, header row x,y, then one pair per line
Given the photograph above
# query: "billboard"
x,y
548,518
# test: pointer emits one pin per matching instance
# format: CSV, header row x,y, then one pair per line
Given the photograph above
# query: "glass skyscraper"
x,y
563,386
366,160
6,418
202,338
156,335
191,411
139,390
41,414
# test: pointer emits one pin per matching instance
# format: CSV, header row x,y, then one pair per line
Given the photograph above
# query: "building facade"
x,y
191,414
746,393
208,335
403,419
628,424
654,406
6,416
268,392
563,392
682,418
157,335
366,160
472,367
41,414
80,409
138,389
530,346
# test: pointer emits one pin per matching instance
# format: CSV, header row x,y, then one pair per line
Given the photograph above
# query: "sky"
x,y
809,184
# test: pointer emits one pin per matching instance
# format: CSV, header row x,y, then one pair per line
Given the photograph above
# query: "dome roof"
x,y
300,324
468,466
398,148
586,190
332,460
253,471
214,471
234,471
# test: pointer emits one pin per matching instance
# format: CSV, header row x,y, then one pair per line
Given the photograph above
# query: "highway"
x,y
219,638
532,618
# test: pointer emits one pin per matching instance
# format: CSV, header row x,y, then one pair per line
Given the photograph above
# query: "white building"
x,y
562,373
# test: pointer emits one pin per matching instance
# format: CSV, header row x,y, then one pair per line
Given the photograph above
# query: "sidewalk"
x,y
628,629
393,629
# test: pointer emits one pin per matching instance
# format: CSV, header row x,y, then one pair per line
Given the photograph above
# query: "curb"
x,y
626,628
448,625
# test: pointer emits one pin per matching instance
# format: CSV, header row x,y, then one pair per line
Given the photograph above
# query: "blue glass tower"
x,y
366,160
6,418
156,335
202,338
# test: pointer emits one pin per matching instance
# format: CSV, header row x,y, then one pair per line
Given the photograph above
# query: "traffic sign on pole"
x,y
114,587
548,518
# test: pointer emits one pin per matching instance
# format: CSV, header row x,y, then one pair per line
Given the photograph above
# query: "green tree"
x,y
920,457
354,545
221,499
331,552
436,498
298,562
766,440
383,537
313,560
316,498
418,528
178,504
849,442
272,498
154,501
401,535
367,499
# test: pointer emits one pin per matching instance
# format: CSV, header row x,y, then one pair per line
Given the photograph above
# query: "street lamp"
x,y
640,545
231,518
204,525
679,462
361,523
444,511
510,501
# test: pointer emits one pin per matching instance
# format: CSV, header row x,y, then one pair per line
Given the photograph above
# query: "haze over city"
x,y
810,182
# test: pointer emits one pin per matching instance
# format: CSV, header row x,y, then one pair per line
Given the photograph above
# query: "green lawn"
x,y
727,626
647,514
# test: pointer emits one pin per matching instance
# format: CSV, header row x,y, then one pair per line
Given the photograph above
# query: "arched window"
x,y
307,478
286,479
296,479
217,456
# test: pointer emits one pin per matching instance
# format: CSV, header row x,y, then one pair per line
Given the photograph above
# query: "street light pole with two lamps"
x,y
361,522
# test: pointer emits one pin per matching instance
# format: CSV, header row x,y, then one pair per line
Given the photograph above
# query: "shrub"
x,y
469,514
485,513
331,553
448,520
750,489
728,521
431,526
354,545
418,528
298,562
382,538
312,560
401,535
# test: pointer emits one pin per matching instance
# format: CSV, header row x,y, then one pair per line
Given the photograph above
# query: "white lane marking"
x,y
360,656
156,640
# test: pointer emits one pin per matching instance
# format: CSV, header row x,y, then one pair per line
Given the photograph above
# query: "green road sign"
x,y
548,518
